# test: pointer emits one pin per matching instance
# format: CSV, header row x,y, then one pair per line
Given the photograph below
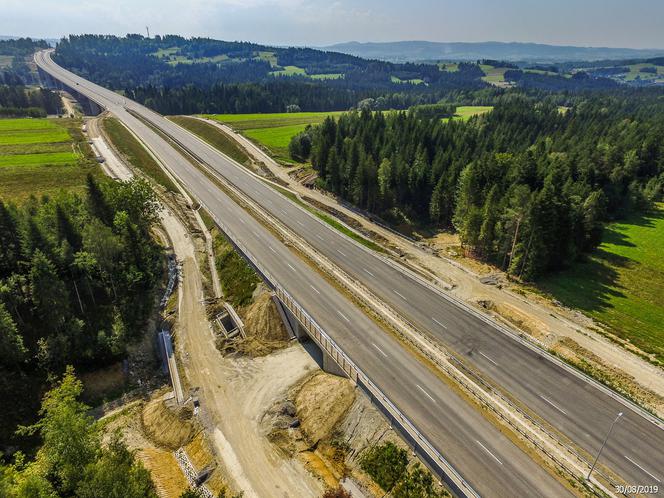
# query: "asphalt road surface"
x,y
576,408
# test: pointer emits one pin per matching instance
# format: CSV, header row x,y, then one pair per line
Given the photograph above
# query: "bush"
x,y
337,492
386,464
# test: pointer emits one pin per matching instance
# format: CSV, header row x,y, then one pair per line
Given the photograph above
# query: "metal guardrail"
x,y
454,480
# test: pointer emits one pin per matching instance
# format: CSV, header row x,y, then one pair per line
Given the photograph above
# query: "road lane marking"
x,y
284,212
257,235
315,290
341,253
381,351
299,223
487,450
444,326
321,238
644,470
426,393
554,405
343,316
291,267
368,272
400,295
242,221
488,358
272,249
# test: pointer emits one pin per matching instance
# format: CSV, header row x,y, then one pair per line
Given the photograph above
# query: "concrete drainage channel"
x,y
195,478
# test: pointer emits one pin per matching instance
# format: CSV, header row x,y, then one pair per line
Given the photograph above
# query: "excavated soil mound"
x,y
321,402
263,327
167,427
262,320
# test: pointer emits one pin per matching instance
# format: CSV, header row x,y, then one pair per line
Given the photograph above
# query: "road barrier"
x,y
429,454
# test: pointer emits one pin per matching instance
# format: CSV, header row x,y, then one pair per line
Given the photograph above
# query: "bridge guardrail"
x,y
434,458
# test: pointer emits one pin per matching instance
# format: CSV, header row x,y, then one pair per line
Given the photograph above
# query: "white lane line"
x,y
343,316
272,249
242,221
291,267
554,405
299,223
644,470
315,290
487,450
368,272
488,358
444,326
257,235
321,238
400,295
381,351
341,253
284,212
426,393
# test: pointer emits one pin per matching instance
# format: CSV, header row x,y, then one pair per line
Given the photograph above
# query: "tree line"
x,y
527,186
76,279
72,461
17,100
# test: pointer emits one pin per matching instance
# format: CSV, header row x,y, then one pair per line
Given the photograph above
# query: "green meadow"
x,y
273,131
41,157
465,112
621,285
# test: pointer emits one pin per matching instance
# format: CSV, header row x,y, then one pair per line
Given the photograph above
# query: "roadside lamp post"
x,y
606,438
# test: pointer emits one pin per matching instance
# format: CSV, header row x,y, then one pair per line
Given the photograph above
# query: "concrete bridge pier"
x,y
298,331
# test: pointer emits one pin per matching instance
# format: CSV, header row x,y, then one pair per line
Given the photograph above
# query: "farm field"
x,y
635,71
494,75
622,283
41,157
273,131
465,112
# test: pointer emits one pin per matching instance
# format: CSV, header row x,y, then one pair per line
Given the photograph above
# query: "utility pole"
x,y
603,444
148,30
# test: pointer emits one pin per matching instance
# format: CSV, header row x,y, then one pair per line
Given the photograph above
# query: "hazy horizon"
x,y
594,23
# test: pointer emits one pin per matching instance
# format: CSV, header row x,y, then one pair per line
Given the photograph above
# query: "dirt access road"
x,y
234,393
544,321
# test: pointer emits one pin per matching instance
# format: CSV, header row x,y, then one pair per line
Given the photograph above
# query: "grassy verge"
x,y
331,221
214,137
42,157
238,279
621,284
135,153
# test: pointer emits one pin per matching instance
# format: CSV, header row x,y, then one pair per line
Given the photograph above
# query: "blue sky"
x,y
613,23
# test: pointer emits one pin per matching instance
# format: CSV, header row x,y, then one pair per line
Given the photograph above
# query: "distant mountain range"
x,y
462,51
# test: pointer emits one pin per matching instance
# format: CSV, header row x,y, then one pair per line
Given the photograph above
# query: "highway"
x,y
576,408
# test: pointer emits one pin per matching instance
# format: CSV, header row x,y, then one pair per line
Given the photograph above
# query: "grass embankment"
x,y
622,283
42,156
135,153
214,137
238,279
273,131
332,221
